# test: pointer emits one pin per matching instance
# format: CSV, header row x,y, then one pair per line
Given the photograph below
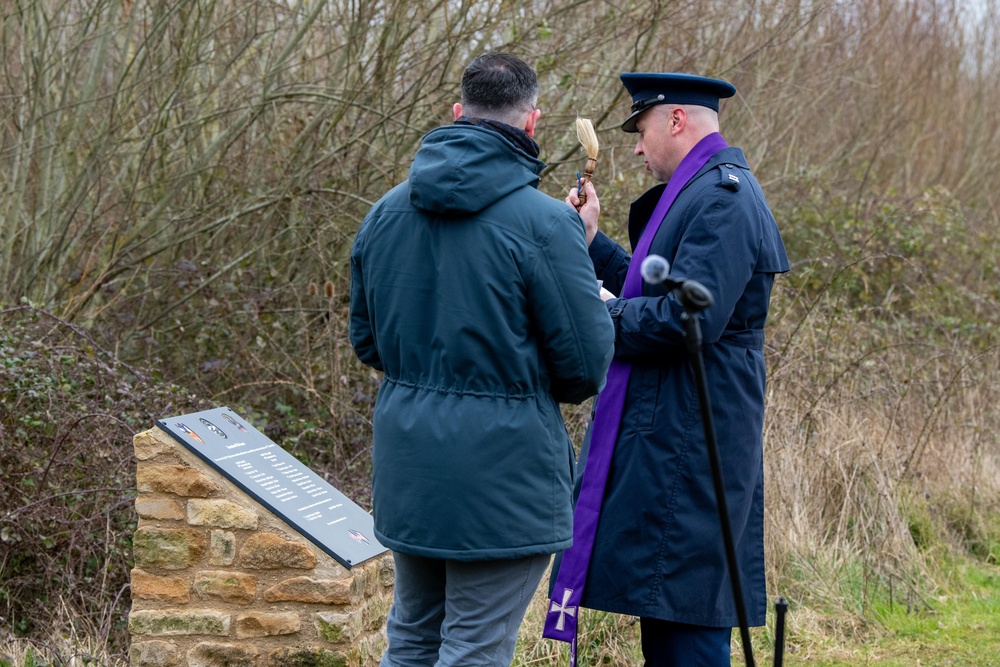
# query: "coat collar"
x,y
642,207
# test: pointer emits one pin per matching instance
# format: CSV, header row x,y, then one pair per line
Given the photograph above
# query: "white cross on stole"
x,y
563,609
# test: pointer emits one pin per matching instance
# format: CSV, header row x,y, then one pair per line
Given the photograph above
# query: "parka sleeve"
x,y
573,325
362,332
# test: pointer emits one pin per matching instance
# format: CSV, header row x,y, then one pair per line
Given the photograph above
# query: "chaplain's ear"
x,y
529,124
457,110
677,120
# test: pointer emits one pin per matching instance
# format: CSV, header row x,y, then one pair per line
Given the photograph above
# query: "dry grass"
x,y
179,179
73,643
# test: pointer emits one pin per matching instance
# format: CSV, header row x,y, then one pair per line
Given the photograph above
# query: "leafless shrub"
x,y
175,175
67,415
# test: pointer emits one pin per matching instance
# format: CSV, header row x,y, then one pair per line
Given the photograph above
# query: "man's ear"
x,y
457,110
678,119
529,124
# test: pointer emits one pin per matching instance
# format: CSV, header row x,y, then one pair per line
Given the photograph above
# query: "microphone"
x,y
654,269
693,295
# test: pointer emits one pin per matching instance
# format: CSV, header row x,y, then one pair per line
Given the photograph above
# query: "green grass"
x,y
956,628
959,628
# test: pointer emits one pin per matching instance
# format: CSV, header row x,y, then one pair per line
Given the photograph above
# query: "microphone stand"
x,y
694,297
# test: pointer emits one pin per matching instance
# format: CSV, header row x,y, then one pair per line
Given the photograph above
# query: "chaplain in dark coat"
x,y
659,551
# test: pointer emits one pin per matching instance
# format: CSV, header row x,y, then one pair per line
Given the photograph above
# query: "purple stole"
x,y
562,617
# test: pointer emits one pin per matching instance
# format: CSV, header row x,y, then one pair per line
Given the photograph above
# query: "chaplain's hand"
x,y
590,211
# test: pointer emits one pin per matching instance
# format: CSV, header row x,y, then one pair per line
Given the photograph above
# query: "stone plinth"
x,y
220,581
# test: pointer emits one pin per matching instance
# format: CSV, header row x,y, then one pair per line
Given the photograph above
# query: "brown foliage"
x,y
68,411
180,183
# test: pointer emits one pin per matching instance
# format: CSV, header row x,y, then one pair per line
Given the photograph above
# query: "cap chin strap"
x,y
647,102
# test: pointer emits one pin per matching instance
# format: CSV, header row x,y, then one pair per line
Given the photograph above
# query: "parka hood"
x,y
462,169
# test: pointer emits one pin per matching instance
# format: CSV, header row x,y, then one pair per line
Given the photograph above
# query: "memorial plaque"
x,y
279,482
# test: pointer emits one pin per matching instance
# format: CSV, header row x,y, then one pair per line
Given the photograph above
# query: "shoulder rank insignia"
x,y
729,179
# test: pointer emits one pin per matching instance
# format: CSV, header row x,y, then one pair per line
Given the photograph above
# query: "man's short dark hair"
x,y
499,86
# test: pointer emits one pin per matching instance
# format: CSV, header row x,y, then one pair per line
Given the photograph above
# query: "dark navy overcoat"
x,y
659,550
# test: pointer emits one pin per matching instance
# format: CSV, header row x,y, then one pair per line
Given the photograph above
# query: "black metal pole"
x,y
781,608
692,330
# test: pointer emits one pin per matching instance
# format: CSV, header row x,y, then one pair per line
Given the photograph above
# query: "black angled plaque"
x,y
279,482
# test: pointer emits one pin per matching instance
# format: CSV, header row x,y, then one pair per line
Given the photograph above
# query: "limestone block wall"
x,y
220,581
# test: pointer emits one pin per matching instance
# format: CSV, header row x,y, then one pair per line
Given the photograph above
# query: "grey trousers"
x,y
449,613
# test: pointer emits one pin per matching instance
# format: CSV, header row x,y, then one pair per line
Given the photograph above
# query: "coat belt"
x,y
751,339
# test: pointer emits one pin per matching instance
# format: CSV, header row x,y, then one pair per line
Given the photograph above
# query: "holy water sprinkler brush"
x,y
587,136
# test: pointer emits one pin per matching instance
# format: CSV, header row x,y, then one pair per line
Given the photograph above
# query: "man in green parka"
x,y
474,294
